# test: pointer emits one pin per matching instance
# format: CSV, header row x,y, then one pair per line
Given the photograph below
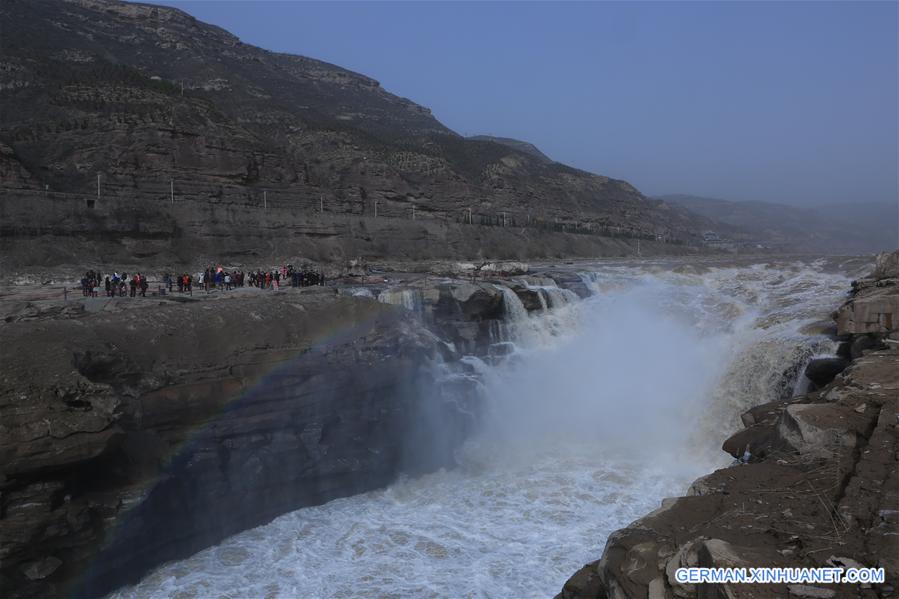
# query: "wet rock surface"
x,y
821,371
820,486
133,433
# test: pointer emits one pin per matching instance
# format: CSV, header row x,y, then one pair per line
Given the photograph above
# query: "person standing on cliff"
x,y
143,285
132,282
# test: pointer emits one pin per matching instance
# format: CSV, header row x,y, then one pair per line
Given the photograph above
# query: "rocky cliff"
x,y
156,108
819,486
118,232
137,432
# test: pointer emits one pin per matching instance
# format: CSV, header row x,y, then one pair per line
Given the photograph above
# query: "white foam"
x,y
600,409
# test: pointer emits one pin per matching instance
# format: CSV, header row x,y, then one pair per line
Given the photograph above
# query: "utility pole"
x,y
376,208
172,190
469,216
504,219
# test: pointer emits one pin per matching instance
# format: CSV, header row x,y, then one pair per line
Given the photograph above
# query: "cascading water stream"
x,y
407,298
602,407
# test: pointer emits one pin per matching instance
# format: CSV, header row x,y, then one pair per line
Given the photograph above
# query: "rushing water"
x,y
597,411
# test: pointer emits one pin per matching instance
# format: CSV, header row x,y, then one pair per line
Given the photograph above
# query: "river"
x,y
594,411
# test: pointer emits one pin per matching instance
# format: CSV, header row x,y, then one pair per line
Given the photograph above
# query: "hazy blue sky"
x,y
793,102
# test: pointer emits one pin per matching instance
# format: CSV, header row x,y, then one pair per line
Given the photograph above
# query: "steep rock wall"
x,y
148,430
49,231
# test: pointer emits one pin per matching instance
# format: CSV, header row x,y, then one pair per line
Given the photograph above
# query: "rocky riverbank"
x,y
144,431
139,431
820,486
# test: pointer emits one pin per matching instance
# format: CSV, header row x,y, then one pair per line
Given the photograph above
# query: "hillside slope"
x,y
523,146
157,106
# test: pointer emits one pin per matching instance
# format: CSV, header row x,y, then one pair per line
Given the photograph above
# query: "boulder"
x,y
886,266
41,569
821,371
475,301
810,592
815,429
530,297
584,583
820,327
757,440
860,343
874,310
687,556
570,281
657,589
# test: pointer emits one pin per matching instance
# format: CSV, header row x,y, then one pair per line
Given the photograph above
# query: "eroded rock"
x,y
823,473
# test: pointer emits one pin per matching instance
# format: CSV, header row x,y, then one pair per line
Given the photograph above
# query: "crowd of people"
x,y
116,285
219,278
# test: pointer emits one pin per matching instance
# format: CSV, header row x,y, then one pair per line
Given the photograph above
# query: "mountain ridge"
x,y
524,146
145,101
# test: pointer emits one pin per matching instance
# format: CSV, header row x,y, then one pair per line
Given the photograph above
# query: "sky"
x,y
792,102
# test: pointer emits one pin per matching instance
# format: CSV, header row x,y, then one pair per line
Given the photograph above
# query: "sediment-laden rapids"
x,y
593,411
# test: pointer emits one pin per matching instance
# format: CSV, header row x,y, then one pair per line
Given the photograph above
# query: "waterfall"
x,y
589,279
586,415
513,310
558,297
410,299
541,293
551,295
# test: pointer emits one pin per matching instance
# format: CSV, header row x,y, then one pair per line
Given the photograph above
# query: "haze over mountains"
x,y
152,105
94,87
858,227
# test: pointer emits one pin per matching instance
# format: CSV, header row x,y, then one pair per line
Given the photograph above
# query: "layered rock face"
x,y
137,432
39,233
158,104
821,486
874,309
